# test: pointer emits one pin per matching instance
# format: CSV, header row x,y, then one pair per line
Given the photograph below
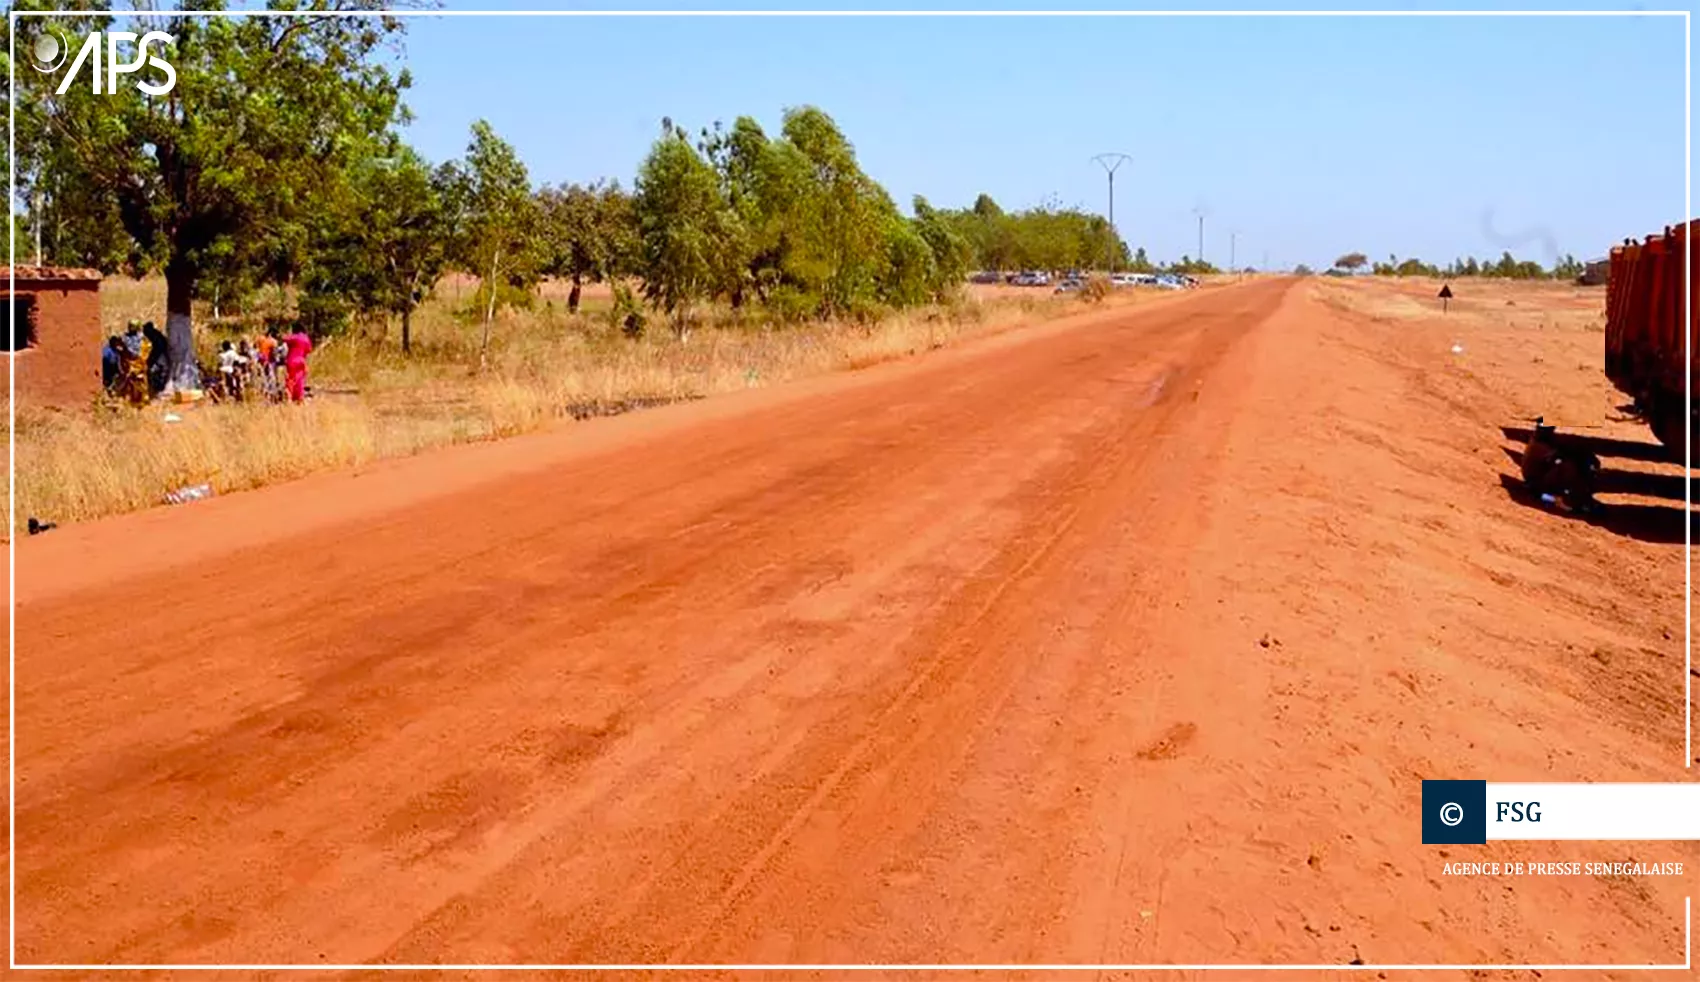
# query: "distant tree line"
x,y
1046,237
1506,267
275,166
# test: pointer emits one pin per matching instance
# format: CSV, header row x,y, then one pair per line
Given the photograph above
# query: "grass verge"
x,y
371,401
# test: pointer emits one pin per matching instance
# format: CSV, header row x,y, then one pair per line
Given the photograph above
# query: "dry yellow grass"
x,y
1475,302
371,401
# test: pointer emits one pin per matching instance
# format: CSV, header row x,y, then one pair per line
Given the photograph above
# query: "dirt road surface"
x,y
1128,638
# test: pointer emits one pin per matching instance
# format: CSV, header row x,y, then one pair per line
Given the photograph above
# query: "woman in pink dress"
x,y
295,364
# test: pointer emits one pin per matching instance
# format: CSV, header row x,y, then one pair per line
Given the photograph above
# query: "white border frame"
x,y
12,16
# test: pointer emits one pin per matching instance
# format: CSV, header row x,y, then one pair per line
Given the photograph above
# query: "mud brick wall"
x,y
62,367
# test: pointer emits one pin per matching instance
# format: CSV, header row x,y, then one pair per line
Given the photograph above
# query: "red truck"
x,y
1651,336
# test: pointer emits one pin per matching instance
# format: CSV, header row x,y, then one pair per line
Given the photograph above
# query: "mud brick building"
x,y
53,332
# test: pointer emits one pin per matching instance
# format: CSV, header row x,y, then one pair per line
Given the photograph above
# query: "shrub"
x,y
1096,289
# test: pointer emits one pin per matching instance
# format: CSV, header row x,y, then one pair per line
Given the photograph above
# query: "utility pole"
x,y
1200,213
1111,161
1233,242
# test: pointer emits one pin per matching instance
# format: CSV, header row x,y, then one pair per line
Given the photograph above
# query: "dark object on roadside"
x,y
37,526
1559,471
1445,295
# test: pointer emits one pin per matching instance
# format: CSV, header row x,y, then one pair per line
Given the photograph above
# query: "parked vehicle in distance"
x,y
1070,285
1031,279
986,277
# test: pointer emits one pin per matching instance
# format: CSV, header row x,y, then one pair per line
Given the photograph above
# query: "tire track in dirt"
x,y
1021,651
942,635
835,524
1122,639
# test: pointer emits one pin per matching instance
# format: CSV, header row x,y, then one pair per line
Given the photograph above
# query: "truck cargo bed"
x,y
1651,336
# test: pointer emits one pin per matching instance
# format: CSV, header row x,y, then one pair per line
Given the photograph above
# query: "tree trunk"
x,y
407,331
183,371
489,311
572,297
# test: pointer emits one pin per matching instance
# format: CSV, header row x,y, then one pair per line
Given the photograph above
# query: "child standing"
x,y
230,367
272,354
245,370
112,363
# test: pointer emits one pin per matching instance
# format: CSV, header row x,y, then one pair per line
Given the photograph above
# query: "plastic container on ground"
x,y
194,492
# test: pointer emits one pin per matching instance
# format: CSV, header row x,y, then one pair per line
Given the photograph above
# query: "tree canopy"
x,y
227,177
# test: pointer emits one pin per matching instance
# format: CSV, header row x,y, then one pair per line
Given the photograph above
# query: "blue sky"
x,y
1433,137
1307,136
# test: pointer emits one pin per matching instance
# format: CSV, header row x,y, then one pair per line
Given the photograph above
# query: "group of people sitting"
x,y
135,366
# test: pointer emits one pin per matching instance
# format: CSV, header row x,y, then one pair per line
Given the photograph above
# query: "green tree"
x,y
749,224
677,208
908,277
224,169
1567,267
951,252
499,228
589,234
393,243
845,215
1510,268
